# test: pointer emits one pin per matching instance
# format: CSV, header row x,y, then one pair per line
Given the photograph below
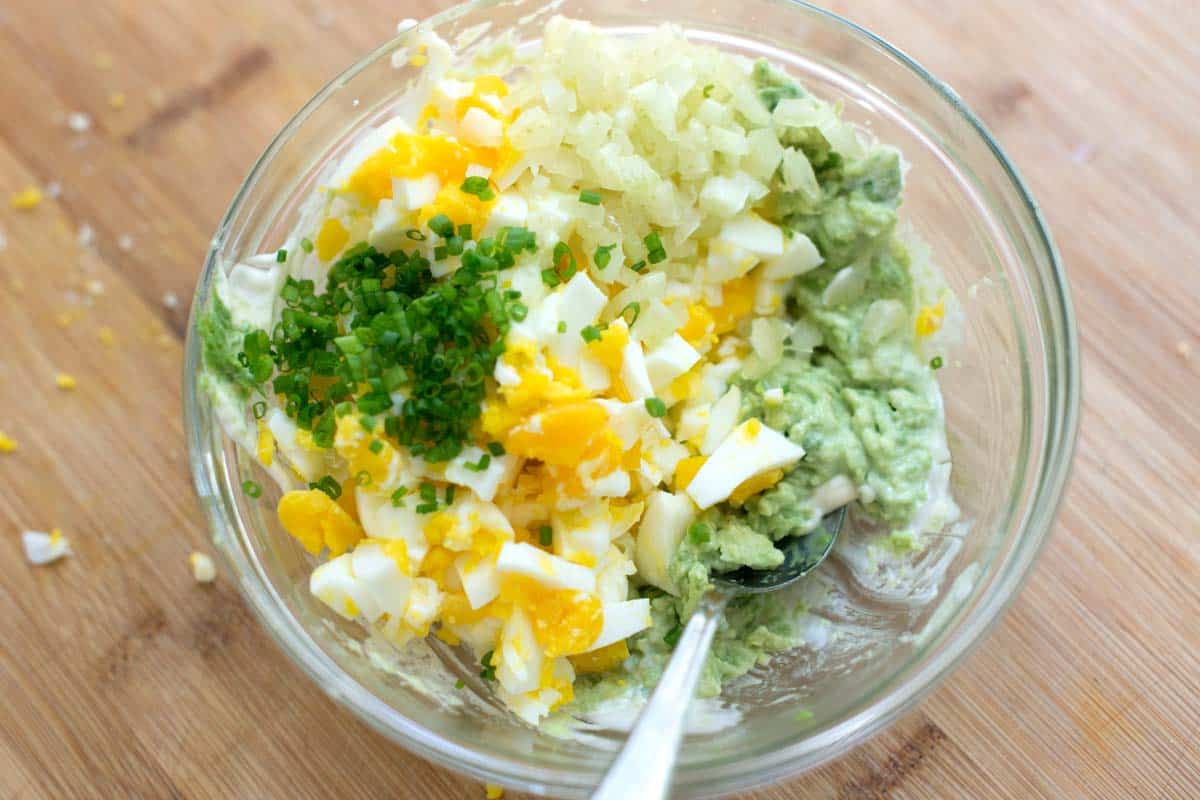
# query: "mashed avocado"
x,y
851,388
221,340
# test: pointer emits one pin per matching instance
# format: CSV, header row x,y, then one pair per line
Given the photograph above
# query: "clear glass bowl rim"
x,y
891,700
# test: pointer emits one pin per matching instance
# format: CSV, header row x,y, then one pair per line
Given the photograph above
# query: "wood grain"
x,y
123,678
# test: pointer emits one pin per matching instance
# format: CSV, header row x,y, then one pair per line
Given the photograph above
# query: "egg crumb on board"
x,y
45,548
499,367
493,792
28,198
7,443
65,381
204,570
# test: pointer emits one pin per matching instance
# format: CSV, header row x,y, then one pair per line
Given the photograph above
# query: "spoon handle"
x,y
643,767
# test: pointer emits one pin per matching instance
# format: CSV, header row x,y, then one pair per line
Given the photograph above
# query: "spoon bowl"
x,y
801,555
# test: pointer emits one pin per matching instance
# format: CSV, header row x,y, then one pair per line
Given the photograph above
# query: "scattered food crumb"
x,y
87,235
94,287
156,97
103,61
17,285
65,382
171,300
53,190
65,319
106,336
7,443
44,548
79,122
116,100
203,568
803,715
494,792
125,242
1183,348
27,198
325,19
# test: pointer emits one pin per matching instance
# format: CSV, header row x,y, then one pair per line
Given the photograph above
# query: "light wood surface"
x,y
121,678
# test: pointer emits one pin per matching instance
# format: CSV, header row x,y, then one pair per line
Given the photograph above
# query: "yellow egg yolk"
x,y
370,456
737,303
601,660
266,444
564,621
561,435
699,325
686,469
753,485
930,319
331,239
317,521
609,351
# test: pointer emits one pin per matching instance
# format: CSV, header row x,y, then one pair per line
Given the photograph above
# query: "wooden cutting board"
x,y
121,678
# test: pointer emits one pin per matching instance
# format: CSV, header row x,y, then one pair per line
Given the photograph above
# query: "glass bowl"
x,y
1011,398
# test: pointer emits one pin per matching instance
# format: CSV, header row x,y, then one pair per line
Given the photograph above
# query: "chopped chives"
x,y
464,232
590,333
638,266
672,636
441,225
398,497
634,306
450,495
656,407
363,478
306,245
252,489
329,486
589,197
603,255
415,235
460,683
281,255
561,251
479,187
562,326
550,278
375,446
384,337
545,535
936,363
496,449
481,465
488,673
654,248
259,409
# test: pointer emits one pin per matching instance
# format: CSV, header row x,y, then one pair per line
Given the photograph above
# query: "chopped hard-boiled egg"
x,y
549,570
45,548
751,449
203,568
666,519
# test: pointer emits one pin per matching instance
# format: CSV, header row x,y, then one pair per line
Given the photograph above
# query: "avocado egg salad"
x,y
551,348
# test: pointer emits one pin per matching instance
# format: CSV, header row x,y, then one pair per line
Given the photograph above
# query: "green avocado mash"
x,y
851,388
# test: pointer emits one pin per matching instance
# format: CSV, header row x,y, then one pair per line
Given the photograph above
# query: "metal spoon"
x,y
647,760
